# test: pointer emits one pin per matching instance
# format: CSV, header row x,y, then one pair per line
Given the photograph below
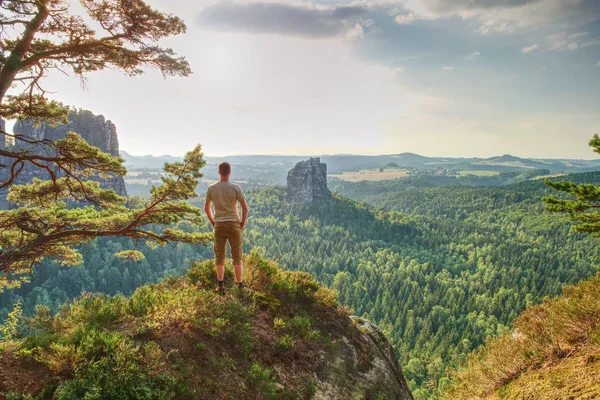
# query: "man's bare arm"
x,y
244,212
209,213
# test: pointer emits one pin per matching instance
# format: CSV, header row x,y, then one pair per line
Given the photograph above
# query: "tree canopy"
x,y
39,36
71,207
583,209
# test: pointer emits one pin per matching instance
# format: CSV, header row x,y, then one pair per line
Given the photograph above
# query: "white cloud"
x,y
356,32
447,68
563,45
405,19
589,43
564,41
529,49
578,35
496,15
473,56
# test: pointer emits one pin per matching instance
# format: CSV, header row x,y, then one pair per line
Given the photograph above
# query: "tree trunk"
x,y
13,63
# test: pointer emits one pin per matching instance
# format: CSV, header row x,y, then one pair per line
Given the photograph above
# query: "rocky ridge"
x,y
283,337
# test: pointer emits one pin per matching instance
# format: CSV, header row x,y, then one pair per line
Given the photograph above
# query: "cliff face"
x,y
93,128
307,182
371,367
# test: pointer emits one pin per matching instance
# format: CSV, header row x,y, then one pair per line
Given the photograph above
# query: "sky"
x,y
472,78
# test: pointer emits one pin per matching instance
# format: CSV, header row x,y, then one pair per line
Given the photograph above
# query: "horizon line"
x,y
358,155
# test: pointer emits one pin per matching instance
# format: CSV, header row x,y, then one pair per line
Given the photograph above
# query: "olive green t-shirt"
x,y
225,197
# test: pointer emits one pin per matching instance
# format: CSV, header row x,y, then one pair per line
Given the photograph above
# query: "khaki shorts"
x,y
232,232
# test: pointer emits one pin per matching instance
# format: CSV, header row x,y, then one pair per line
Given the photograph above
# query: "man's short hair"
x,y
224,168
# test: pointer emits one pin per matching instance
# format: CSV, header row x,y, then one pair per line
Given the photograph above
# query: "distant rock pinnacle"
x,y
307,182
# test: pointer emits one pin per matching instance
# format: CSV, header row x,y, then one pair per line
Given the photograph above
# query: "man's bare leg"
x,y
237,270
220,272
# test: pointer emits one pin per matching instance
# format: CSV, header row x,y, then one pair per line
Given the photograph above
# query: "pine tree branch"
x,y
71,50
14,22
64,162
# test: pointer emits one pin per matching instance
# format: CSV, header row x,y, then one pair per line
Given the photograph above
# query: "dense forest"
x,y
440,269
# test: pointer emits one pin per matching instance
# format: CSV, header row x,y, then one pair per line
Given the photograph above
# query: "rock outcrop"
x,y
95,129
283,337
368,368
307,182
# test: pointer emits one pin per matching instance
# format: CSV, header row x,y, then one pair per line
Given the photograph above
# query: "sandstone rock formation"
x,y
93,128
307,182
367,368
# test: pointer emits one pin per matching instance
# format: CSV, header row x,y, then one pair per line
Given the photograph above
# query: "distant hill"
x,y
344,162
147,161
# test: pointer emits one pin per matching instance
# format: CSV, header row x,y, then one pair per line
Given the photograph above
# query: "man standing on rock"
x,y
226,222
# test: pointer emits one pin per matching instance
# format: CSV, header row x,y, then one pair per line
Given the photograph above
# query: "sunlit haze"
x,y
438,78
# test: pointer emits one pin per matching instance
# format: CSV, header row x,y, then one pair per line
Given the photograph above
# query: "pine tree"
x,y
582,209
37,36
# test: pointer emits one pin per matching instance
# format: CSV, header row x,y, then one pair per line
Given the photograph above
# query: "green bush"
x,y
10,328
108,366
259,273
327,297
42,320
145,299
18,396
262,380
95,310
285,342
267,301
42,340
299,326
302,327
297,285
311,388
46,394
203,274
278,324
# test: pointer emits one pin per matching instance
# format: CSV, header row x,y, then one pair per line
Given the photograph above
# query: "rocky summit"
x,y
95,129
283,337
307,182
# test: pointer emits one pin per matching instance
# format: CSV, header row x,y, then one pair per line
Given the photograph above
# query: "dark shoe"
x,y
241,285
221,290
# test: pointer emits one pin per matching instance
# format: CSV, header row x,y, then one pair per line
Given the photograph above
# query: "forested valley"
x,y
438,268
